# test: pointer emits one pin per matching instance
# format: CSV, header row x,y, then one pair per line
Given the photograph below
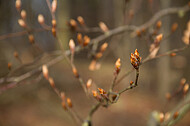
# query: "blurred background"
x,y
34,103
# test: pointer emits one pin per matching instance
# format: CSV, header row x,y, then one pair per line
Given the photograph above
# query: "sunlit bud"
x,y
103,27
174,27
54,23
176,114
15,54
161,116
23,14
45,71
18,4
185,89
80,20
131,82
94,93
72,46
158,38
63,96
183,81
9,66
41,19
168,96
75,72
167,116
73,24
51,82
54,6
101,91
22,23
98,55
92,65
135,59
79,38
53,30
89,83
173,54
86,40
138,32
69,103
118,65
31,38
158,24
103,47
64,105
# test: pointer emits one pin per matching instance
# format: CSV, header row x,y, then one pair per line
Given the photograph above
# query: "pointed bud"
x,y
135,59
69,102
45,71
79,38
41,19
23,14
81,20
103,47
176,114
54,6
161,116
73,24
53,30
22,23
159,38
86,40
63,96
18,4
101,91
31,38
51,82
72,46
9,66
138,32
64,105
54,23
118,65
185,89
173,54
75,72
89,83
103,27
98,55
174,27
158,24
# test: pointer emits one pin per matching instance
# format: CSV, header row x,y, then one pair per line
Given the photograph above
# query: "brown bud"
x,y
72,46
102,91
54,23
15,54
45,71
103,27
53,30
9,66
75,72
135,59
73,24
92,65
174,27
79,38
98,55
183,81
31,38
103,47
94,93
69,103
41,19
18,4
64,105
185,89
118,65
89,83
138,32
159,38
158,24
131,82
176,114
86,40
22,23
51,82
161,116
54,6
63,96
168,96
81,20
23,14
173,54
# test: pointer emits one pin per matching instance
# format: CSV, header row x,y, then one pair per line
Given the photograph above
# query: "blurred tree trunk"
x,y
163,64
